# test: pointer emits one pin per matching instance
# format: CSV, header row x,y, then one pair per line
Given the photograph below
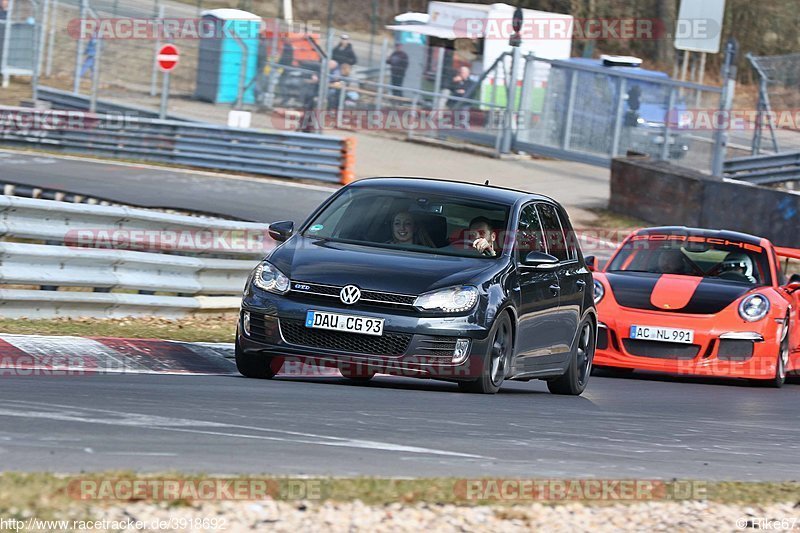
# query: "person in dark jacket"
x,y
343,53
460,86
398,64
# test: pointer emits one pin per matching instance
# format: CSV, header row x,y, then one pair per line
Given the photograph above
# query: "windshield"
x,y
408,220
701,256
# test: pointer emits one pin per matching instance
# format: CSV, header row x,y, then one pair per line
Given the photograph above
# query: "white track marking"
x,y
329,189
69,413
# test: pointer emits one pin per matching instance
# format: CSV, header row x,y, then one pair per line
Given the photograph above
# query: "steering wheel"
x,y
466,244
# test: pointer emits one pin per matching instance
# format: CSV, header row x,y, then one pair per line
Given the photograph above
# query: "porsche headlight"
x,y
754,307
450,300
599,291
270,279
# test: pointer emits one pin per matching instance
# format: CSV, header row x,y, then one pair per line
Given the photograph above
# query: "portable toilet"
x,y
228,56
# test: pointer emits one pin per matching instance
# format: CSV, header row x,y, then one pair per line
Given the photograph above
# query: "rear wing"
x,y
786,255
789,253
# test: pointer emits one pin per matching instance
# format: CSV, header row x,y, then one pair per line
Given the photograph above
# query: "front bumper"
x,y
726,350
411,345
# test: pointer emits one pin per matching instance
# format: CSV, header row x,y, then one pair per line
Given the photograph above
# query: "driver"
x,y
482,235
740,263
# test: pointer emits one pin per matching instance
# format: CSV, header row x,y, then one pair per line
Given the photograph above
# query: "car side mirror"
x,y
591,262
540,260
280,231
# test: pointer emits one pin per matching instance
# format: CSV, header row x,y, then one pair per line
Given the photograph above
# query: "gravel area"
x,y
356,516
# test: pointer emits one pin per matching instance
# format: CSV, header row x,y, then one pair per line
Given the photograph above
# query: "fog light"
x,y
246,322
461,351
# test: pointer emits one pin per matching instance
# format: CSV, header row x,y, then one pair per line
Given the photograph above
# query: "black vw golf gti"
x,y
426,278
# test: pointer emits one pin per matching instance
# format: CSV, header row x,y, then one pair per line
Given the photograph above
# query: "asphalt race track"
x,y
253,199
645,427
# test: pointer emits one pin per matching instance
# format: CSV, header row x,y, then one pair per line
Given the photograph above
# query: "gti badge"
x,y
349,294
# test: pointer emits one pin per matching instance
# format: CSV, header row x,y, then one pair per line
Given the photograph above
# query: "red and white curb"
x,y
38,355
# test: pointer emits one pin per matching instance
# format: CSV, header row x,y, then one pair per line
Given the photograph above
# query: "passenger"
x,y
405,230
672,262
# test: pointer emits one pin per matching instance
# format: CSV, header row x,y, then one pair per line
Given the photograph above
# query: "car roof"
x,y
490,193
720,234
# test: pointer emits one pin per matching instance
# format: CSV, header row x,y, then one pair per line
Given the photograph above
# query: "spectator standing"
x,y
343,53
398,64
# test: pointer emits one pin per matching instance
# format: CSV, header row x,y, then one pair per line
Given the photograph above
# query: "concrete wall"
x,y
664,194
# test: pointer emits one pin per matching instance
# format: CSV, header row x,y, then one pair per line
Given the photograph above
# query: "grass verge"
x,y
42,494
198,328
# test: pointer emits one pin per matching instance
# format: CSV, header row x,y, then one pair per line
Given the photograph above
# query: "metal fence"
x,y
778,99
91,260
592,113
21,36
289,155
563,109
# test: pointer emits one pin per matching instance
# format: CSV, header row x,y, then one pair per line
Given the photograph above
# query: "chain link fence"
x,y
20,36
577,109
777,127
581,109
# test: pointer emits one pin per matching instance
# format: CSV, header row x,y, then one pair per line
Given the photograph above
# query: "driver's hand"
x,y
483,246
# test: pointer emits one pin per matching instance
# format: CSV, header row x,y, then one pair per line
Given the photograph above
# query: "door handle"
x,y
580,284
555,289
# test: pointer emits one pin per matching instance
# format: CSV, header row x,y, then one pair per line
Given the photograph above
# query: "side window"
x,y
554,235
529,232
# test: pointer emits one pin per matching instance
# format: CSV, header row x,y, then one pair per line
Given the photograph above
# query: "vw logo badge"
x,y
349,294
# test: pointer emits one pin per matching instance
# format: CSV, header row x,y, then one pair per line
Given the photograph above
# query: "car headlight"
x,y
754,307
270,279
450,300
599,291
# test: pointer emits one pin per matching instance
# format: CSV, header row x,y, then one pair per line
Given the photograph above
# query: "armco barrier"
x,y
190,144
166,264
661,193
66,100
764,169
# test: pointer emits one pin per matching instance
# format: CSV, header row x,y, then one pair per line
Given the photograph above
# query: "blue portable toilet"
x,y
229,47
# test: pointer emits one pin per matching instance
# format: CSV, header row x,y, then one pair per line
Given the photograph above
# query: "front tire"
x,y
496,361
256,366
573,381
779,379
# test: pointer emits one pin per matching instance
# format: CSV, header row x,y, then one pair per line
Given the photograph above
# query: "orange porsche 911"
x,y
699,302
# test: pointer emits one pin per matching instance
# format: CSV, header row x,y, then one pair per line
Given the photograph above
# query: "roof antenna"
x,y
487,182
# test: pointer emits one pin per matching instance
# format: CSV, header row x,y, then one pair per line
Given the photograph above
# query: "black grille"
x,y
602,338
735,350
442,347
661,350
295,332
260,329
367,297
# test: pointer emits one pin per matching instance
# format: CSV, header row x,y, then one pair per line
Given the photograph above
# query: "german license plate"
x,y
653,333
349,323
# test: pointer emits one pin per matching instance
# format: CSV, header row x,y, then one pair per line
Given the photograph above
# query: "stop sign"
x,y
167,57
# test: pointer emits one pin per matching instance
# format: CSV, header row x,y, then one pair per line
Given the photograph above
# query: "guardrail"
x,y
764,169
155,263
190,144
67,100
